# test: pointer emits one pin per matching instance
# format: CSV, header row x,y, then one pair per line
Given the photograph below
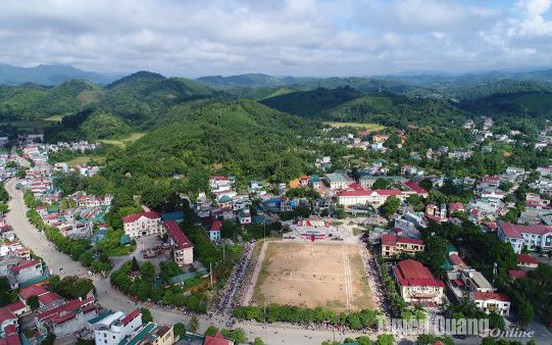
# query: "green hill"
x,y
241,138
312,103
521,104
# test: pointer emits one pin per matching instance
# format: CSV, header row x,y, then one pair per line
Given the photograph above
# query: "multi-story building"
x,y
491,302
7,321
337,181
143,224
25,270
417,284
392,245
115,327
183,252
214,231
529,236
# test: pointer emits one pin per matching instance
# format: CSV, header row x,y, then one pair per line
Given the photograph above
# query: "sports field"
x,y
313,274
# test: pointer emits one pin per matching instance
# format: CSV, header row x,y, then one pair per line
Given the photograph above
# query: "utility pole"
x,y
211,272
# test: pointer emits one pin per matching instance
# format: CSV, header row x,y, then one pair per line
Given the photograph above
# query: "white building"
x,y
530,236
115,327
183,253
491,302
417,284
337,181
143,224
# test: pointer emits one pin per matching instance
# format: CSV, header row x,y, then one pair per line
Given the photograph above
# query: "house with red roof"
x,y
514,274
183,251
531,237
492,302
68,317
217,339
417,284
527,261
392,245
8,321
12,338
214,231
115,327
25,270
143,224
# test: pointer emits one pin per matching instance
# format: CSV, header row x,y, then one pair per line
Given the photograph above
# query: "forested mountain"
x,y
31,102
312,103
242,138
350,105
48,75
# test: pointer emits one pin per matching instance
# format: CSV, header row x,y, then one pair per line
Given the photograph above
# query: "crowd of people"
x,y
374,277
228,297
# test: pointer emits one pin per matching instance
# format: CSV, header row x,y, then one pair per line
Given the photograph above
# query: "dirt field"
x,y
313,274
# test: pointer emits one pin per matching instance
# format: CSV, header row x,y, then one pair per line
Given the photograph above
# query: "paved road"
x,y
114,300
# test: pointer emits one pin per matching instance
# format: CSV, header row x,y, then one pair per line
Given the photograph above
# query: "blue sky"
x,y
280,37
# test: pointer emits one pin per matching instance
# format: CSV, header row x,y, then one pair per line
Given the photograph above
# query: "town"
x,y
408,243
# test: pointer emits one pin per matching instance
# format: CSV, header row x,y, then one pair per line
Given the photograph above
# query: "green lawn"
x,y
366,126
123,142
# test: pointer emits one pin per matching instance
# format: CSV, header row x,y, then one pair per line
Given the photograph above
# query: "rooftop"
x,y
177,235
413,273
134,217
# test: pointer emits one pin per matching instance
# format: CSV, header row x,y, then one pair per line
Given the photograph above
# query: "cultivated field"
x,y
365,126
313,274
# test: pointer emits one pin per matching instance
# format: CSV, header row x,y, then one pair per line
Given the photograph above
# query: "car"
x,y
459,336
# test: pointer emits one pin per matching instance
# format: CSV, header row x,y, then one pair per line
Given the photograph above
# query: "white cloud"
x,y
324,37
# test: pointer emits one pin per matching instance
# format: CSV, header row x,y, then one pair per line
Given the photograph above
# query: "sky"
x,y
193,38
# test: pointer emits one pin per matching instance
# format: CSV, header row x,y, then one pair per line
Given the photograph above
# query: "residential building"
x,y
530,236
68,317
25,270
214,231
315,182
115,327
417,284
244,217
183,252
392,245
527,261
143,224
7,320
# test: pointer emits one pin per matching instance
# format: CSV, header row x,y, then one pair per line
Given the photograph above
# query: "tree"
x,y
194,323
49,340
179,330
258,341
426,184
33,302
5,296
386,339
381,183
211,330
72,287
496,321
237,335
135,265
146,316
391,205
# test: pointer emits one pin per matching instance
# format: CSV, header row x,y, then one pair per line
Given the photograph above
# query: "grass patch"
x,y
54,118
358,231
335,304
365,126
121,251
125,141
78,161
